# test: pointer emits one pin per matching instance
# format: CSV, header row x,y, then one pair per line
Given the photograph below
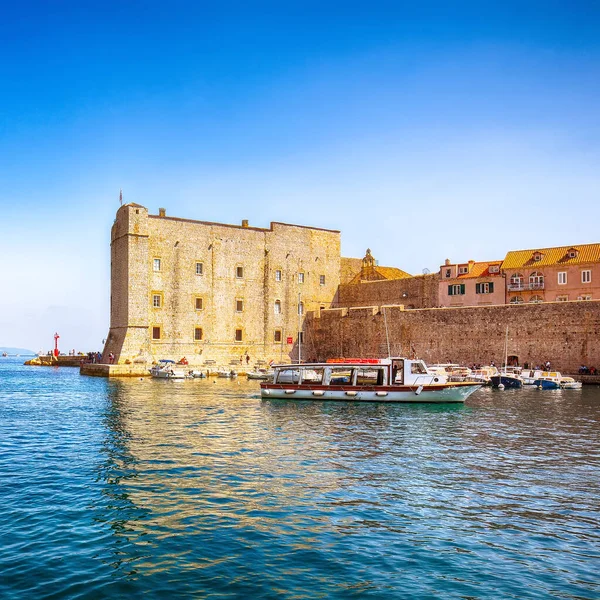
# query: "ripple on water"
x,y
197,489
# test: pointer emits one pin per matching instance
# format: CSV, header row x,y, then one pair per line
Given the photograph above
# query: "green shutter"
x,y
449,290
478,288
491,287
462,288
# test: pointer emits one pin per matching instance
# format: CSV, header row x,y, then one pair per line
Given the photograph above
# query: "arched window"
x,y
516,282
516,300
277,307
535,299
536,280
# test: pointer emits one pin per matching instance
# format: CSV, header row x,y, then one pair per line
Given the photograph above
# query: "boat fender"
x,y
419,390
435,379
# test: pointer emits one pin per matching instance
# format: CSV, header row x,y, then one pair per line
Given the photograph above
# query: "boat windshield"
x,y
340,376
418,368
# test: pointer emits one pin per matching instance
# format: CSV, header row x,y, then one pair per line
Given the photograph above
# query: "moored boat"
x,y
394,379
261,374
568,383
510,377
549,380
483,375
167,369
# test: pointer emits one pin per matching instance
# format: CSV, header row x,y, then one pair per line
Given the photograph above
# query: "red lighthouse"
x,y
56,336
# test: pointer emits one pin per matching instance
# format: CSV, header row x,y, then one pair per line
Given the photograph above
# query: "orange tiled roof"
x,y
585,253
481,269
392,272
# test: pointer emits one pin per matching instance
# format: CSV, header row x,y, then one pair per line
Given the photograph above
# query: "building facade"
x,y
471,284
561,274
215,292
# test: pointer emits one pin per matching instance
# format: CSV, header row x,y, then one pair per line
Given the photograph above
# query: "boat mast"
x,y
506,351
299,332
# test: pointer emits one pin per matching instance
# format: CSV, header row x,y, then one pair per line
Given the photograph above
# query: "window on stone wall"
x,y
301,308
562,298
239,305
448,272
238,335
536,299
277,307
157,301
300,277
199,304
536,280
156,333
197,334
239,272
584,297
321,279
156,264
199,268
277,337
562,278
278,275
516,300
586,276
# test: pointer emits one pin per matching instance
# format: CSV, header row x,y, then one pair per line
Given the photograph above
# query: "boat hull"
x,y
456,393
546,384
507,381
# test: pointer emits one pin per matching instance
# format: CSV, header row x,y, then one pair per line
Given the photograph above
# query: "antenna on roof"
x,y
426,271
121,196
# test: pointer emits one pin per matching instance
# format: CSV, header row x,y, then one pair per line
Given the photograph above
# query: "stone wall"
x,y
565,333
413,292
249,286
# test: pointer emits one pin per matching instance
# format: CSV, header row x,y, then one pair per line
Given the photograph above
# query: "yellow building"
x,y
212,291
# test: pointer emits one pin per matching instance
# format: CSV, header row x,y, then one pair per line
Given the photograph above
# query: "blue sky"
x,y
424,131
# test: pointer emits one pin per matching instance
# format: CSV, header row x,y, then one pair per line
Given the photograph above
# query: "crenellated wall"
x,y
565,333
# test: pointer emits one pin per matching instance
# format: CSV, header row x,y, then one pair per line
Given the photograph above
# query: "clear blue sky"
x,y
423,130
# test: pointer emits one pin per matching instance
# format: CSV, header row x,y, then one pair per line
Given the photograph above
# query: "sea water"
x,y
198,488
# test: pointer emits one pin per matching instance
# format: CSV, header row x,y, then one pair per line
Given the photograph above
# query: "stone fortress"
x,y
221,294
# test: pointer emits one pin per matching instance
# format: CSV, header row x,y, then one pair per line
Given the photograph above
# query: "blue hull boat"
x,y
508,381
547,384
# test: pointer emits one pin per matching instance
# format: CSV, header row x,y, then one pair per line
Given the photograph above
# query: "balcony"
x,y
520,287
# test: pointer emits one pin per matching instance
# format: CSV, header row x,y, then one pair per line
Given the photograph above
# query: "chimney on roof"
x,y
162,212
245,223
447,262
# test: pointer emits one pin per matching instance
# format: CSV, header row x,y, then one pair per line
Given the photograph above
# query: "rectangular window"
x,y
156,300
321,279
199,304
448,272
156,265
156,333
586,276
199,268
277,335
494,269
278,275
239,272
197,334
239,306
562,298
463,270
301,308
277,307
457,289
238,335
562,278
484,288
300,277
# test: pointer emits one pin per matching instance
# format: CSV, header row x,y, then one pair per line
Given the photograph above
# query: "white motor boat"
x,y
364,380
262,374
167,369
568,383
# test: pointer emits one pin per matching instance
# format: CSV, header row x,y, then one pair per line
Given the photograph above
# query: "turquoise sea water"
x,y
198,489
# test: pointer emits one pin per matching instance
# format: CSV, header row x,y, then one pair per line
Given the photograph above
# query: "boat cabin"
x,y
357,372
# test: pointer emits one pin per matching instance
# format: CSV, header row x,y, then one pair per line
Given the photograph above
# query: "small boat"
x,y
262,374
483,375
196,374
167,369
568,383
510,377
393,379
530,376
228,373
4,355
549,380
